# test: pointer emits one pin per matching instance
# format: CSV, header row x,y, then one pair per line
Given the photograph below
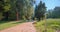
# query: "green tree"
x,y
7,8
25,8
1,9
49,12
40,10
12,9
56,12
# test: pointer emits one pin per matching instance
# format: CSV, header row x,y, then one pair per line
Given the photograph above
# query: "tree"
x,y
25,8
6,8
1,9
12,9
40,10
49,12
55,13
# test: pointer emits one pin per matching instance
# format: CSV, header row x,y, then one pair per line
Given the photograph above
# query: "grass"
x,y
51,24
7,24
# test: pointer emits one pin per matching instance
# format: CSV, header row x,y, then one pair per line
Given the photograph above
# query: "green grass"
x,y
52,25
4,25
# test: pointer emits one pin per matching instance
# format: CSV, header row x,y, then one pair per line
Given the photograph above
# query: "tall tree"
x,y
13,9
55,13
40,10
1,9
25,6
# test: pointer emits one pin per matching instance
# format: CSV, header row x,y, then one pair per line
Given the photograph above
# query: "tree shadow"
x,y
1,22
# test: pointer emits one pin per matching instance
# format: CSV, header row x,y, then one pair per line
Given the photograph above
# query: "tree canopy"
x,y
54,13
40,10
9,9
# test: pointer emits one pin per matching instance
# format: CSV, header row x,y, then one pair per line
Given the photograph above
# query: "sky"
x,y
50,4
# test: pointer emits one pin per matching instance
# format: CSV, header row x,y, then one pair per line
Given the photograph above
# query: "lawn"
x,y
7,24
52,25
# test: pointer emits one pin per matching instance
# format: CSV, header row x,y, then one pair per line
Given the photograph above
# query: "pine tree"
x,y
40,10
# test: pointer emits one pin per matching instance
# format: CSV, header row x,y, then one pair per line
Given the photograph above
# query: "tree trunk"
x,y
16,14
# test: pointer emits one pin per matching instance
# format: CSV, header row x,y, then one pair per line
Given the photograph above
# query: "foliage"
x,y
27,9
11,9
51,24
55,13
40,10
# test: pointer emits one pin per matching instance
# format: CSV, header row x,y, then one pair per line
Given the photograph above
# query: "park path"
x,y
24,27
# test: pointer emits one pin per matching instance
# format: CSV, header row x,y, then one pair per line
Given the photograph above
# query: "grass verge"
x,y
7,24
52,25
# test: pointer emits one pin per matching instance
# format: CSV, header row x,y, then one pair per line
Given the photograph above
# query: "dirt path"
x,y
24,27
